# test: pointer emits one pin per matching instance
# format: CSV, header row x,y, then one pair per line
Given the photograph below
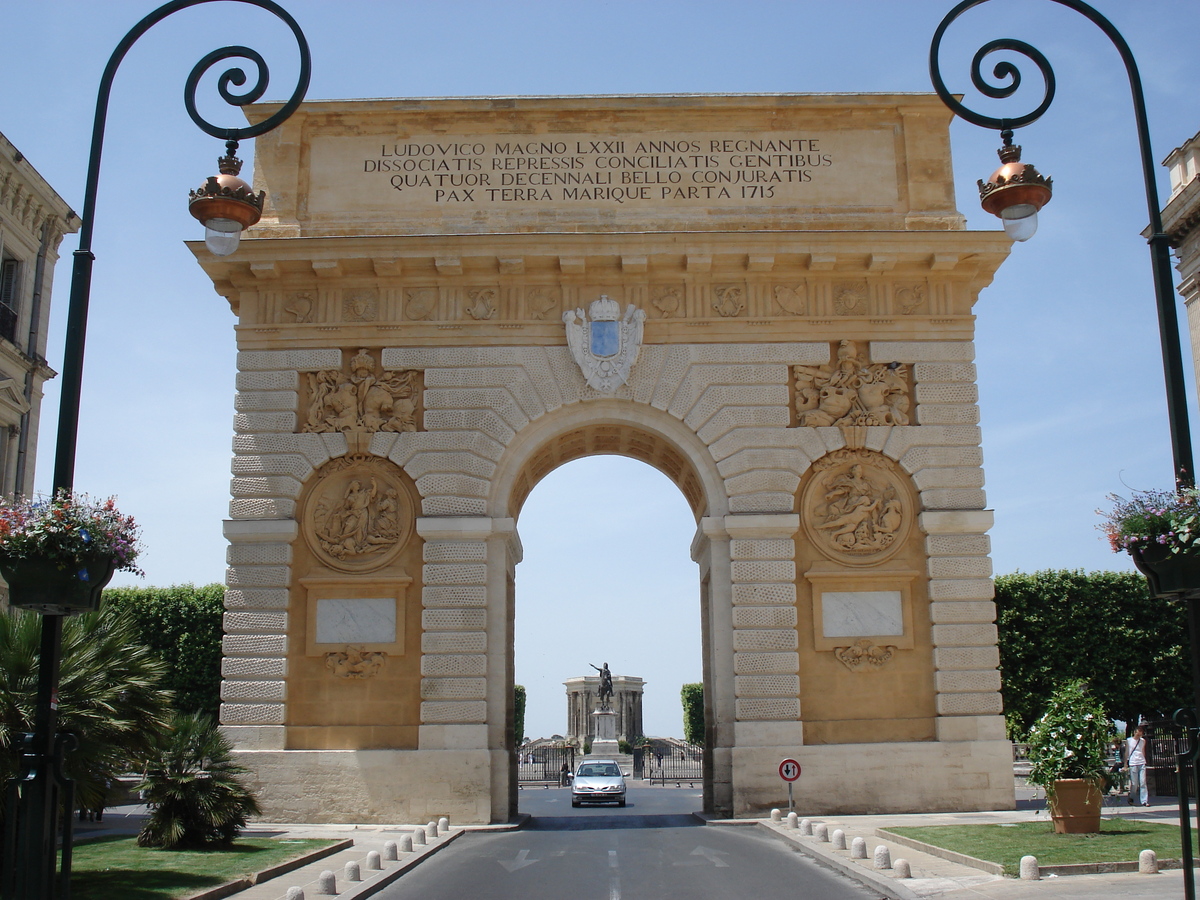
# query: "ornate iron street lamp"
x,y
226,205
1015,192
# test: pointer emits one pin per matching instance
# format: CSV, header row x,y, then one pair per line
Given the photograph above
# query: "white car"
x,y
598,781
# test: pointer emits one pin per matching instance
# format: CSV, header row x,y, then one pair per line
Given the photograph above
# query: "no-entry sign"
x,y
789,770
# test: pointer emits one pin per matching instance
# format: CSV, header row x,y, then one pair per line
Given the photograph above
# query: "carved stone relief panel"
x,y
355,662
543,303
851,391
360,305
909,298
362,399
358,516
667,301
481,304
856,509
729,300
850,298
420,303
298,305
864,651
791,299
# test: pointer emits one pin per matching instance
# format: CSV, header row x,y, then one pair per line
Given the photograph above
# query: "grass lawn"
x,y
118,869
1119,840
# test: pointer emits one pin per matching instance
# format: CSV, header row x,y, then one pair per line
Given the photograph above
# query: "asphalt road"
x,y
651,850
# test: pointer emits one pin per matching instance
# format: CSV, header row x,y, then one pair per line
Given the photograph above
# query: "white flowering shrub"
x,y
1071,738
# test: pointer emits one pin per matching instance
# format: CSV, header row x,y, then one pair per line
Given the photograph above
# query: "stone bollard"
x,y
374,860
418,837
776,816
806,827
353,873
326,883
858,848
390,848
791,820
443,825
839,839
1029,869
406,844
431,830
883,857
1147,863
902,868
294,893
821,831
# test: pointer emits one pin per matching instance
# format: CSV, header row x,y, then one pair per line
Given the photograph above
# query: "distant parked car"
x,y
598,781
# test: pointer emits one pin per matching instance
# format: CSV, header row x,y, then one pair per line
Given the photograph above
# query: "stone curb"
x,y
882,883
949,855
1108,868
378,882
230,888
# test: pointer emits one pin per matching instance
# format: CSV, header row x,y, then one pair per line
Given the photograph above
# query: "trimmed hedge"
x,y
181,624
1103,627
692,696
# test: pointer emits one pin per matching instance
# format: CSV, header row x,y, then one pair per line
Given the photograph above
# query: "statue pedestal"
x,y
605,741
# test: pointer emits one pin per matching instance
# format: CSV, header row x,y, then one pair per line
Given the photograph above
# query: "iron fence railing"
x,y
679,763
543,764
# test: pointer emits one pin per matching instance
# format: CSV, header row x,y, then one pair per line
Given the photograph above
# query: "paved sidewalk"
x,y
933,876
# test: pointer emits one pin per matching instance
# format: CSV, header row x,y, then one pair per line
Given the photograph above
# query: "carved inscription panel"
x,y
724,169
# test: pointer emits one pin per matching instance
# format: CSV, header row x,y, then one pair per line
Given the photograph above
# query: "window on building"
x,y
10,286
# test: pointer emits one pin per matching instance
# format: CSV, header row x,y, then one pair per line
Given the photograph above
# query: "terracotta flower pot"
x,y
1075,806
1174,575
53,589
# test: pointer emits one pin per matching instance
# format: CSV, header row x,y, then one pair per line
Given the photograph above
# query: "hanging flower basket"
x,y
58,554
1160,530
48,587
1171,575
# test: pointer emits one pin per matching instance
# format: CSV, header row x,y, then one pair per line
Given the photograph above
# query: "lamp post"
x,y
226,205
1015,192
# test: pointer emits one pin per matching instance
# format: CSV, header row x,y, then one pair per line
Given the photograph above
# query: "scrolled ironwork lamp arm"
x,y
1010,80
77,310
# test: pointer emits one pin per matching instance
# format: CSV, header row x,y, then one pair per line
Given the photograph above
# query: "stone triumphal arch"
x,y
768,298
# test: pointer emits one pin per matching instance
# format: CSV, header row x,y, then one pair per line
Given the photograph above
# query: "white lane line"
x,y
614,880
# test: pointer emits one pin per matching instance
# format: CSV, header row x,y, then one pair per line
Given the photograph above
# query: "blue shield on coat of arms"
x,y
605,338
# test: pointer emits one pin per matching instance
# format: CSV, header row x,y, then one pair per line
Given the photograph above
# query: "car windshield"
x,y
599,771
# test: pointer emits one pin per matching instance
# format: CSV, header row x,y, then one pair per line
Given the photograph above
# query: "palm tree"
x,y
192,787
109,696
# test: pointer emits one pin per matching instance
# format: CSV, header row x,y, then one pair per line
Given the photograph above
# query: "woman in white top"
x,y
1135,761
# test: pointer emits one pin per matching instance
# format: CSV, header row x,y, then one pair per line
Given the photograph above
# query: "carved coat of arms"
x,y
604,343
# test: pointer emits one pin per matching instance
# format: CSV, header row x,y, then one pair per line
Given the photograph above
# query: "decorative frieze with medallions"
x,y
362,399
851,391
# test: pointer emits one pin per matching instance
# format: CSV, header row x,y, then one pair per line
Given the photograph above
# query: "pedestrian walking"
x,y
1135,764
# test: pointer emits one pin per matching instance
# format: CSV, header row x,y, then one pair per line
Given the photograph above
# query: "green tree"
x,y
1102,627
181,624
518,714
110,695
193,788
692,696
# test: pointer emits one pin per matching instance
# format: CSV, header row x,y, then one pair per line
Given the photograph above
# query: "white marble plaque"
x,y
360,621
862,613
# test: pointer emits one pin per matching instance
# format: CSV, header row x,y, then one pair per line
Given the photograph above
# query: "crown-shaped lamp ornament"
x,y
1015,192
226,204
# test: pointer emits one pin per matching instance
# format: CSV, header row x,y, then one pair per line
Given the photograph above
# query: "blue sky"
x,y
1071,385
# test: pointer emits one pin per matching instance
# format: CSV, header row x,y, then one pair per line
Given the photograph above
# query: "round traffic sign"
x,y
789,770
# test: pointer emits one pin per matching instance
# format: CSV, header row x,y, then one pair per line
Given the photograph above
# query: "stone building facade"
x,y
769,299
33,222
583,698
1181,220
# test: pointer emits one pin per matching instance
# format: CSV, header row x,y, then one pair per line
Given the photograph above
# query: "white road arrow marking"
x,y
519,863
713,856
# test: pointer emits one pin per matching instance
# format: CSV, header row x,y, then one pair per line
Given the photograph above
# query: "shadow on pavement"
x,y
604,822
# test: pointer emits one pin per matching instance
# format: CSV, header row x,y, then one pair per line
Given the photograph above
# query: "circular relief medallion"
x,y
856,508
358,516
